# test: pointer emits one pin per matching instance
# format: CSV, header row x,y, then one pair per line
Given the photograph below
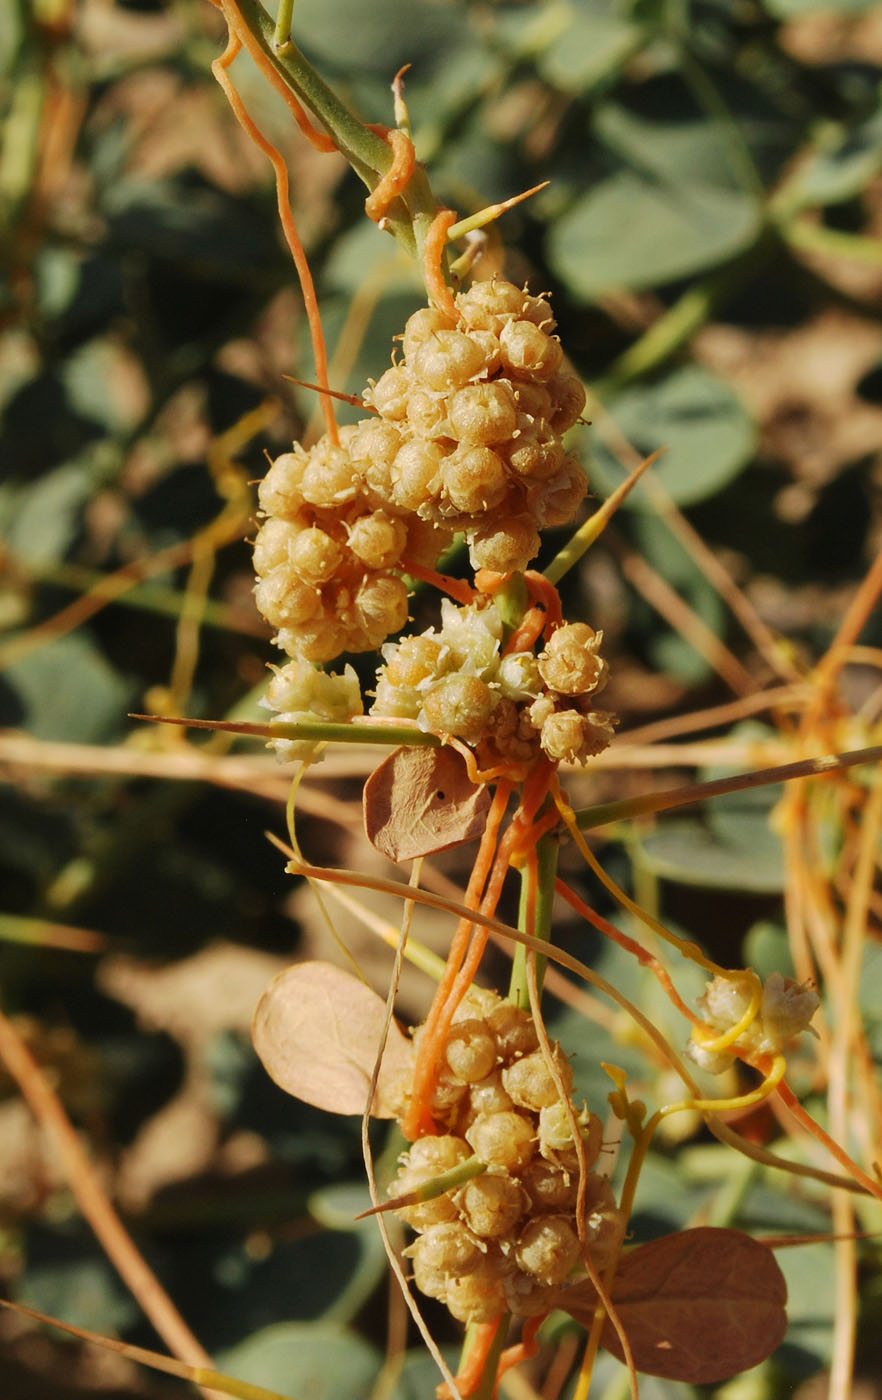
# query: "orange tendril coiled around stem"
x,y
397,177
469,942
545,615
418,1119
310,301
319,139
433,263
630,945
455,588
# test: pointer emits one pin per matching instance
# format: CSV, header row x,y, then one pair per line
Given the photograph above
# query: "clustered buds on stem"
x,y
458,681
508,1239
783,1009
465,437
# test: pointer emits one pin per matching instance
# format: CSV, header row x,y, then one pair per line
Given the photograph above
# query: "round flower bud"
x,y
527,1297
447,359
548,1248
412,660
474,479
604,1222
389,395
502,1139
425,540
537,453
321,639
330,479
569,399
470,1050
483,413
416,474
427,413
314,556
533,399
514,1030
528,350
279,493
570,663
568,737
380,607
378,539
488,305
423,325
459,705
556,1135
448,1249
272,544
491,1205
478,1296
285,600
439,1152
549,1186
488,1096
505,547
562,494
530,1083
518,676
437,1210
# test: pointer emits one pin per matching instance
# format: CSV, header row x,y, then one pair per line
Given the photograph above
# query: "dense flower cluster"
x,y
473,417
507,1239
782,1010
466,436
459,681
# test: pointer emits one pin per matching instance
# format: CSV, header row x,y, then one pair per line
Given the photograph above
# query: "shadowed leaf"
x,y
422,800
698,1306
317,1031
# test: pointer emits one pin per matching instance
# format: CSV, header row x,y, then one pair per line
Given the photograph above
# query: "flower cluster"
x,y
466,436
473,416
459,681
782,1009
507,1239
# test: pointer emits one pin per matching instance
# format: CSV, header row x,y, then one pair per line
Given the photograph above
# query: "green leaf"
x,y
843,166
38,521
68,691
687,851
306,1360
592,47
376,38
811,1305
634,230
706,432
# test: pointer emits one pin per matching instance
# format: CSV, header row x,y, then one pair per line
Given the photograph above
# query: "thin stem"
x,y
534,915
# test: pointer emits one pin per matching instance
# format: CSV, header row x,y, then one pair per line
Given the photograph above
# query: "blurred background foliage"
x,y
711,237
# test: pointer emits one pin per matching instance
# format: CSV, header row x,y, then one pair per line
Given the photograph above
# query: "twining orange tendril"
x,y
808,1123
433,262
391,185
543,592
469,1378
518,842
629,944
319,139
489,580
544,616
310,301
418,1118
454,587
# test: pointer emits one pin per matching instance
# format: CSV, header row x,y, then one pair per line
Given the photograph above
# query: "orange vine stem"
x,y
319,139
629,944
456,588
219,69
397,176
433,262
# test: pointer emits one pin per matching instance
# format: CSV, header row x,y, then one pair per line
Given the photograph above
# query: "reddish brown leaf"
x,y
697,1306
317,1030
422,800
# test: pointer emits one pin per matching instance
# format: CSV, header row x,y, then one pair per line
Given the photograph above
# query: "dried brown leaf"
x,y
698,1306
317,1030
422,800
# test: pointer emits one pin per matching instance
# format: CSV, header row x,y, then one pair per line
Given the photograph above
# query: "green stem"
x,y
546,858
409,216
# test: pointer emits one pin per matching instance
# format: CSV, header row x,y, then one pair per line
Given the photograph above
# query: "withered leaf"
x,y
699,1306
317,1030
422,800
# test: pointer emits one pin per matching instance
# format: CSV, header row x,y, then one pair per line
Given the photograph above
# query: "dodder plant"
x,y
506,1184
